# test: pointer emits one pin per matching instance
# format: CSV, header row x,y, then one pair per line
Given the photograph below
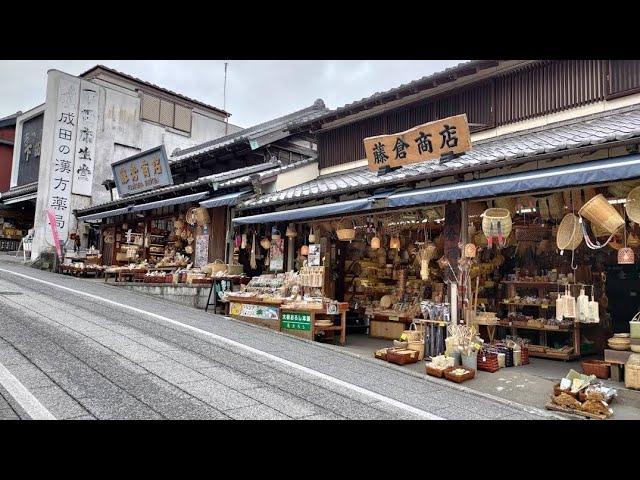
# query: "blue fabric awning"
x,y
194,197
223,200
597,171
108,213
308,212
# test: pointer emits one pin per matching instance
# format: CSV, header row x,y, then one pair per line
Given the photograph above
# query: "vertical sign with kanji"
x,y
64,144
84,153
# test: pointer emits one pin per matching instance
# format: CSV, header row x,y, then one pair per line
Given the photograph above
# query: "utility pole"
x,y
224,100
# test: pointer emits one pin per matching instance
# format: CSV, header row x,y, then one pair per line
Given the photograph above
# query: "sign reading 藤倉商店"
x,y
424,142
143,171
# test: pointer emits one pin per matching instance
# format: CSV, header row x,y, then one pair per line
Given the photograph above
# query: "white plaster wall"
x,y
295,177
118,122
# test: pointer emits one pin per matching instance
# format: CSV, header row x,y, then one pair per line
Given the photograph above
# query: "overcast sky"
x,y
257,90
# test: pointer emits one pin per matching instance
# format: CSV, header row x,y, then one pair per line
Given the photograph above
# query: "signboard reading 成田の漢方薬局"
x,y
141,172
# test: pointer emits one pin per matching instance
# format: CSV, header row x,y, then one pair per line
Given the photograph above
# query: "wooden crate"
x,y
389,330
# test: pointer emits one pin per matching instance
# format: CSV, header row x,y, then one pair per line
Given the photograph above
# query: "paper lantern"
x,y
394,243
304,251
626,256
375,243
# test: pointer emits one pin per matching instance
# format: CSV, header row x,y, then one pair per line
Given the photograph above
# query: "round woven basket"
x,y
569,235
345,232
601,213
633,205
493,218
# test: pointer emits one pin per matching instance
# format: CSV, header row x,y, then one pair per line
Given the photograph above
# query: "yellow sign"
x,y
424,142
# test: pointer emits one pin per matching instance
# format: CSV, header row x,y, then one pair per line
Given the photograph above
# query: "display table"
x,y
234,279
258,312
297,321
302,322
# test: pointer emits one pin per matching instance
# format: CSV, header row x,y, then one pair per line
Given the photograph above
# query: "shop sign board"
x,y
296,321
64,143
276,255
428,141
85,151
263,312
141,172
314,255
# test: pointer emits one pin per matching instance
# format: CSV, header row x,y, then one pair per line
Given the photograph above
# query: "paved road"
x,y
78,349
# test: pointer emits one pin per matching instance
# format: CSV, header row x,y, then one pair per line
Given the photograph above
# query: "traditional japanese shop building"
x,y
537,130
65,147
213,175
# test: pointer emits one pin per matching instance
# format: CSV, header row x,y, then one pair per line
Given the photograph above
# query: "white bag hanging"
x,y
594,309
560,306
583,307
570,304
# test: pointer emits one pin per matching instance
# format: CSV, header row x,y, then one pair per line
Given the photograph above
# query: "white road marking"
x,y
24,397
381,398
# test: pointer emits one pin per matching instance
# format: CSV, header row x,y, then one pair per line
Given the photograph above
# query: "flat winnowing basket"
x,y
569,235
600,212
633,205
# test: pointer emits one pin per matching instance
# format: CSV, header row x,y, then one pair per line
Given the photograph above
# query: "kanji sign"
x,y
84,155
424,142
143,171
64,143
295,321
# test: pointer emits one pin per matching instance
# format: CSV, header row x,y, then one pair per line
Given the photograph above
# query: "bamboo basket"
x,y
494,216
633,205
345,232
632,376
418,346
556,206
600,212
569,235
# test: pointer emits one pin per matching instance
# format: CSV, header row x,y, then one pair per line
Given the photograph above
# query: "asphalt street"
x,y
78,349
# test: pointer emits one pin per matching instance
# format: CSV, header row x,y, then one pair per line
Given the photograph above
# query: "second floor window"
x,y
165,113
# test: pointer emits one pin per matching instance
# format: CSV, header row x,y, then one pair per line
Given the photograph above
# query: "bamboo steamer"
x,y
494,216
600,212
569,235
633,205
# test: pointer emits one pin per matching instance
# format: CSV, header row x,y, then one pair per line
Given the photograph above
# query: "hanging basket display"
x,y
312,236
496,224
265,243
569,236
345,231
601,213
626,256
304,250
275,235
394,243
291,231
375,243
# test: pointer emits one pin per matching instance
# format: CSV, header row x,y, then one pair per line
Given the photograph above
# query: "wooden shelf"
x,y
528,304
555,356
546,329
555,284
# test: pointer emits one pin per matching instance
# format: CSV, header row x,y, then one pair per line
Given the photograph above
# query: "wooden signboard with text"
x,y
425,142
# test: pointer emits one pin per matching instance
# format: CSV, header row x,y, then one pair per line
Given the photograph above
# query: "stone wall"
x,y
188,295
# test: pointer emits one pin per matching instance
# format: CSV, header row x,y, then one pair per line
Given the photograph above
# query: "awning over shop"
x,y
108,213
308,212
597,171
194,197
223,200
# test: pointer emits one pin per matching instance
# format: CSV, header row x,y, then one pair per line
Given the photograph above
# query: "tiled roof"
x,y
271,127
9,119
230,179
597,129
19,191
429,81
130,77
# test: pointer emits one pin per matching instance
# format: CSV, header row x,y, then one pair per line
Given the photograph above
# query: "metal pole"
x,y
224,100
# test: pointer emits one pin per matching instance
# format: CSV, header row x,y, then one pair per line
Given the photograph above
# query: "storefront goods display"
x,y
600,212
439,364
583,395
487,360
345,231
496,225
632,205
402,356
459,374
617,343
599,368
569,235
632,372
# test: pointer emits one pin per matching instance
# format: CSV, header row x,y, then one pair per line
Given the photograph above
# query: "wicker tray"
x,y
459,378
381,356
598,368
435,372
404,358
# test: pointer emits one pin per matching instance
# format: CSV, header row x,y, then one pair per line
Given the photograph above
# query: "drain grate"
x,y
10,293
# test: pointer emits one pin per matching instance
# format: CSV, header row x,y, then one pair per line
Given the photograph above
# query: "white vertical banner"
x,y
84,156
64,144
